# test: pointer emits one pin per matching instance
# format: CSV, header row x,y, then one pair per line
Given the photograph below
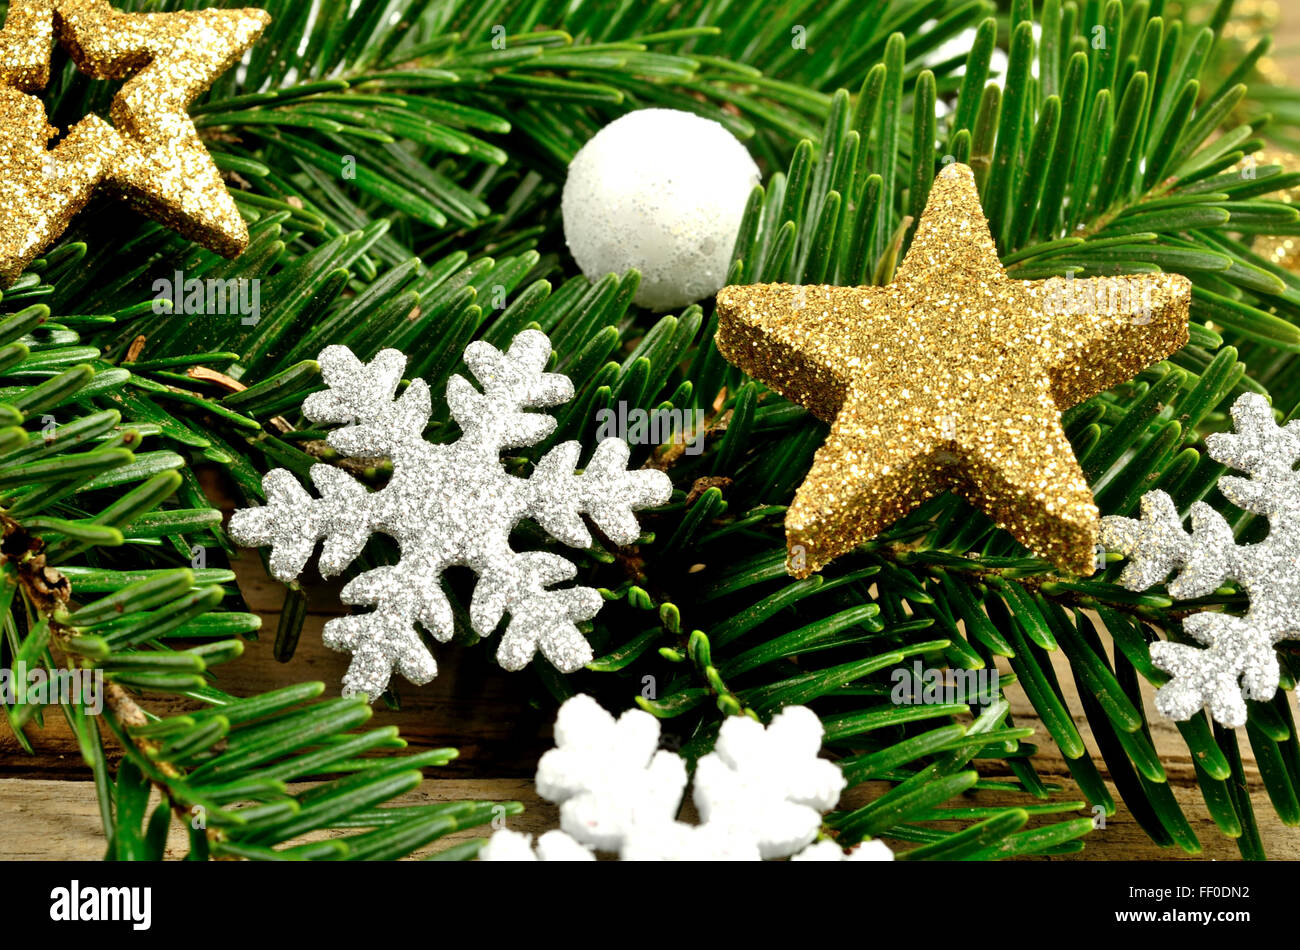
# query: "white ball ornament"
x,y
661,191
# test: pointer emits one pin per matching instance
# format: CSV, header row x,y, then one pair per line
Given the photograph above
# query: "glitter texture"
x,y
151,156
951,377
1239,661
760,794
1281,249
449,505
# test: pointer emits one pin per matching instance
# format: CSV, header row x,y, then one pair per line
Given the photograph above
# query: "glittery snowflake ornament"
x,y
1239,661
450,505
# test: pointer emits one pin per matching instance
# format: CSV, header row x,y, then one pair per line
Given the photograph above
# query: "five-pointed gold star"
x,y
951,377
150,155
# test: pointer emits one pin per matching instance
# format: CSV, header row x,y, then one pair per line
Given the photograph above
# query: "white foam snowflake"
x,y
555,845
449,505
679,841
769,783
608,775
760,793
1239,661
826,850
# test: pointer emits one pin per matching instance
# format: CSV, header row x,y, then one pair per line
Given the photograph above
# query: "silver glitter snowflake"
x,y
449,505
1239,661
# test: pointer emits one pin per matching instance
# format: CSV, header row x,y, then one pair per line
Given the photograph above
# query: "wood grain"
x,y
48,808
55,820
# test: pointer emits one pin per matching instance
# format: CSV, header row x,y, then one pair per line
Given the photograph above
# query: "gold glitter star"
x,y
1283,249
952,377
151,156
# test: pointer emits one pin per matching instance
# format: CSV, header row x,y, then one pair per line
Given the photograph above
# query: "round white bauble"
x,y
661,191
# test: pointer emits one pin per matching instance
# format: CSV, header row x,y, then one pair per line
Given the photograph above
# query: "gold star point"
x,y
951,377
151,156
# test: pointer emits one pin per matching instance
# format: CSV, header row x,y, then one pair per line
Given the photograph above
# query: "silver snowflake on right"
x,y
1239,661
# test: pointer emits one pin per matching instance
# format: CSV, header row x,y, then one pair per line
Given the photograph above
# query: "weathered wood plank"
x,y
500,722
42,819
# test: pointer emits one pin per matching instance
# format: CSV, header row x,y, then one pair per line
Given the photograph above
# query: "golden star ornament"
x,y
1281,249
150,155
951,377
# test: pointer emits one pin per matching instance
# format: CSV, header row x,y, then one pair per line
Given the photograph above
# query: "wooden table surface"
x,y
47,802
48,809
